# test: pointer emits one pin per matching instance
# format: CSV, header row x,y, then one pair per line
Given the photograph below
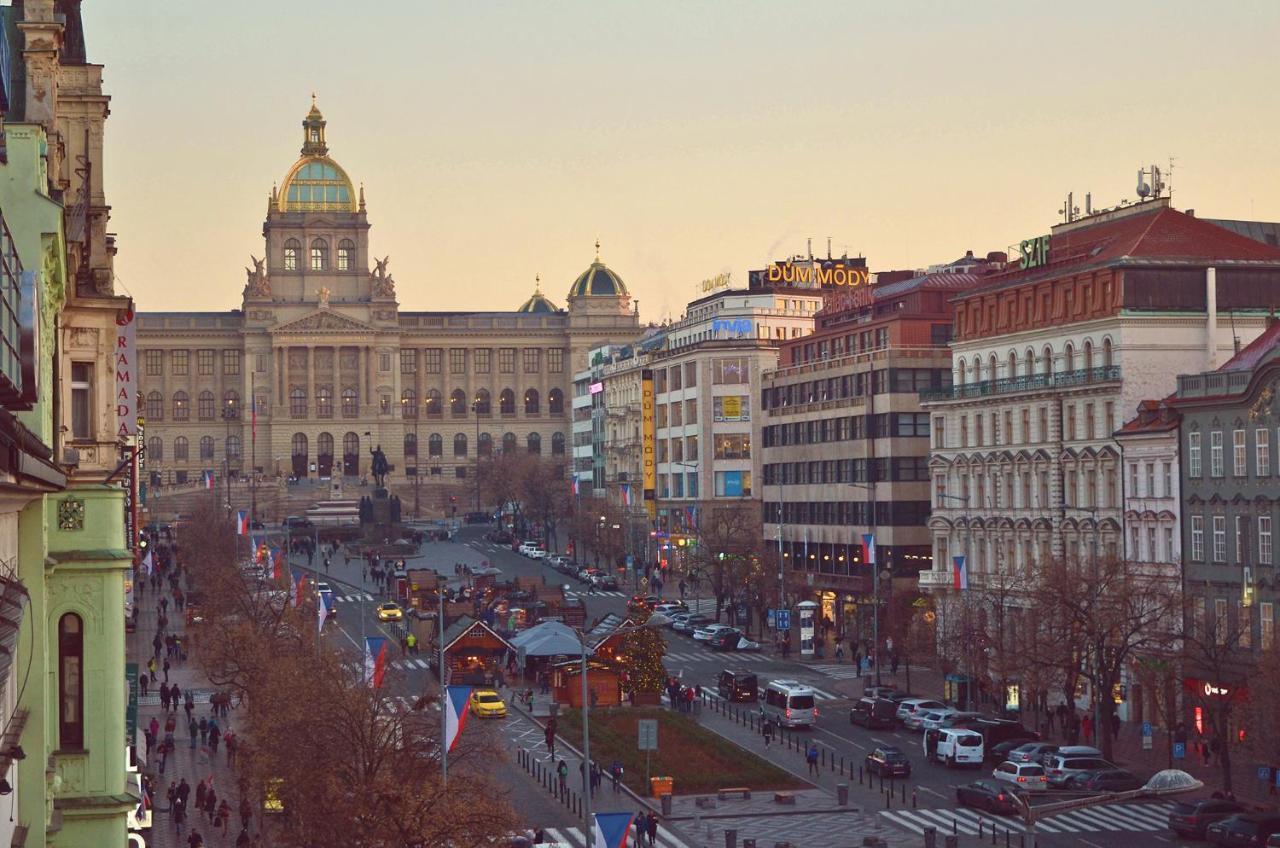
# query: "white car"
x,y
671,608
1024,777
702,634
932,719
909,707
536,553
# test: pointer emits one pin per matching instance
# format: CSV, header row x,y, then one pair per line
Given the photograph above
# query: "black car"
x,y
738,686
1191,818
1243,829
1106,780
999,752
987,795
725,640
873,713
888,761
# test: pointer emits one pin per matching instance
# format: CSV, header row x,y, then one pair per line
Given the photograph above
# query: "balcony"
x,y
1014,385
930,579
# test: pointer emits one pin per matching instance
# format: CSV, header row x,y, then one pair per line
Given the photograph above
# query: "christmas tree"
x,y
642,652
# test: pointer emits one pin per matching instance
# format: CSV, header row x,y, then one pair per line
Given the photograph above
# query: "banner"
x,y
610,830
126,349
457,707
207,477
961,572
242,522
324,606
869,548
297,586
649,454
375,660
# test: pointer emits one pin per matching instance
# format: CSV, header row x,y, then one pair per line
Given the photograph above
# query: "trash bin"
x,y
665,798
730,838
661,786
930,837
748,843
842,794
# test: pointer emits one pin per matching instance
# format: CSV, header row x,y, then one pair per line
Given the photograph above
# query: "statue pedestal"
x,y
381,510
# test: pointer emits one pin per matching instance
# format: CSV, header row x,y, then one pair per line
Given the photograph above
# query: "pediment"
x,y
325,321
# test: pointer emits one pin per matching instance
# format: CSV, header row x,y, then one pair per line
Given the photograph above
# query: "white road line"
x,y
555,835
903,820
943,820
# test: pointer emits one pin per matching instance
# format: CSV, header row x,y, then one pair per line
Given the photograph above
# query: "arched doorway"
x,y
299,454
324,454
351,455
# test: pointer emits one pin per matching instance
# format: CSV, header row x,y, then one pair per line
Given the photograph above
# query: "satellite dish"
x,y
1143,189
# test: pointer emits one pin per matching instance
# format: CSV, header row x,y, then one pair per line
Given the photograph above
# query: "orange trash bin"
x,y
659,786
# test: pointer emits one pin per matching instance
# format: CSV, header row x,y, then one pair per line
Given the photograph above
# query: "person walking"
x,y
222,817
164,696
165,667
143,683
211,804
615,772
652,828
215,736
184,790
202,790
193,730
766,730
204,730
562,774
178,812
246,812
811,757
233,745
550,737
175,695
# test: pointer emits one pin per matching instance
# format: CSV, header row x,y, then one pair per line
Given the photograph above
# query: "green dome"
x,y
598,281
538,303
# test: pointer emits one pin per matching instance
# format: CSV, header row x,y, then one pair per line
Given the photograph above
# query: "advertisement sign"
x,y
648,734
126,387
131,711
806,610
719,281
806,273
647,434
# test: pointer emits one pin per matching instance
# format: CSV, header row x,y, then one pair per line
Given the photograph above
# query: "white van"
x,y
790,703
955,746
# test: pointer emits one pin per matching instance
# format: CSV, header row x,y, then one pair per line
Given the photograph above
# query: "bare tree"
x,y
1218,654
731,551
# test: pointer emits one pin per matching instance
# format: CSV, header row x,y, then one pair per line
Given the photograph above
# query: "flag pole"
x,y
444,694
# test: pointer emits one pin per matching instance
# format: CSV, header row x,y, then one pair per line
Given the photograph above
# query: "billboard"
x,y
648,436
805,273
126,388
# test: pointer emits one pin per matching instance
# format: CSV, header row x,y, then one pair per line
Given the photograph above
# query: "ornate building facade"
x,y
320,364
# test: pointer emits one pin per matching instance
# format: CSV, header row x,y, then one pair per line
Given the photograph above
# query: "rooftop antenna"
x,y
810,243
1088,203
1143,189
1172,159
828,247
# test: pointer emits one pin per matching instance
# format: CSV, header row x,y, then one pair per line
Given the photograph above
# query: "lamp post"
x,y
968,553
875,568
475,408
229,414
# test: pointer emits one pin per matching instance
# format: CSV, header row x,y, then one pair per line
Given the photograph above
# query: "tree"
x,y
545,494
731,551
642,652
502,480
1219,655
1258,715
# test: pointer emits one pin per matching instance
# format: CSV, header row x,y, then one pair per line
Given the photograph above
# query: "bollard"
x,y
1007,838
980,823
822,757
1022,840
930,836
904,793
731,838
913,799
888,801
842,765
955,830
859,775
842,794
993,833
882,783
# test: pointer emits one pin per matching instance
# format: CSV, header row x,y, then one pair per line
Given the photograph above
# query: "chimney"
x,y
1191,213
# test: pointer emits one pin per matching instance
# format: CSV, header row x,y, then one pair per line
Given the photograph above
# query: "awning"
x,y
548,639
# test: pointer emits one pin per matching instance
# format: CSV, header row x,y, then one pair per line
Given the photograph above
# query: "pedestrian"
x,y
215,736
163,751
766,730
202,790
1086,727
1115,726
150,739
246,812
172,794
242,841
154,726
550,738
166,669
857,660
195,840
615,772
652,828
893,663
204,730
179,815
184,790
223,817
811,756
232,744
152,667
839,651
170,724
175,695
642,828
193,730
188,704
164,696
143,683
562,773
211,804
597,776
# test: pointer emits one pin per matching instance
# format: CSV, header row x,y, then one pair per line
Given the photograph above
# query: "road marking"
x,y
1091,844
932,792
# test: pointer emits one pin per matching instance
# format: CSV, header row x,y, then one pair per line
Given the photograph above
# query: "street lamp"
x,y
1162,784
229,414
475,409
968,553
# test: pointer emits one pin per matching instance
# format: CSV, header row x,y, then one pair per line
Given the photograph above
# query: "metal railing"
x,y
1012,385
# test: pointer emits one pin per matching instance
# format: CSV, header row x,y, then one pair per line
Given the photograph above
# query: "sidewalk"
x,y
193,764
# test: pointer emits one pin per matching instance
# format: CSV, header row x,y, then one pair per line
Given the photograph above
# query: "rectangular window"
x,y
1193,454
532,360
1197,538
260,363
155,362
1215,453
181,360
691,412
432,360
1262,452
1109,421
1153,554
555,361
1239,539
1042,413
1071,422
457,360
1167,489
506,360
733,484
1089,422
384,404
660,416
677,383
731,371
231,363
82,400
1025,436
690,375
691,448
1151,479
964,431
1264,539
1245,624
1220,620
939,425
1219,538
1239,466
480,358
384,362
731,408
204,361
1133,479
1266,625
733,446
677,414
1169,555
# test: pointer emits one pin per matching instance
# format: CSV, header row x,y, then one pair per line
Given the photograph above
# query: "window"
x,y
1168,479
1193,454
1245,625
1266,625
1215,453
508,443
319,255
691,448
204,361
480,359
1151,479
346,254
1089,422
1220,620
181,406
181,449
70,682
1239,538
555,361
1152,551
557,444
431,404
531,402
532,360
292,248
481,404
206,447
507,402
384,404
231,404
457,360
204,406
506,360
534,443
733,484
410,445
384,362
1042,415
350,403
1219,538
691,412
435,445
155,449
1197,538
324,402
485,445
1262,452
460,444
233,448
730,371
731,408
181,360
555,402
1071,422
1133,480
297,402
1109,422
732,446
154,362
231,362
155,406
1238,465
82,400
1264,539
408,404
458,403
690,375
408,362
1169,554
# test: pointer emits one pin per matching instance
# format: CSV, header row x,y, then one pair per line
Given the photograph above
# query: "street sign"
x,y
784,619
1146,728
631,561
648,728
521,656
771,615
1179,750
1264,773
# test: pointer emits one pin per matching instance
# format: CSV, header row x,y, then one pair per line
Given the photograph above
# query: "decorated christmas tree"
x,y
642,651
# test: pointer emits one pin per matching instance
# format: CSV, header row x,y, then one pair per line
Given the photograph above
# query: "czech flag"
x,y
297,586
457,705
960,572
626,494
208,479
277,563
869,548
611,829
375,660
147,566
242,522
575,485
324,607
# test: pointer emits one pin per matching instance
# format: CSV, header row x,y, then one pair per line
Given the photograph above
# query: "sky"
x,y
499,141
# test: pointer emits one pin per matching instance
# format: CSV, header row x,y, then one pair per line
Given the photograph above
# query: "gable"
x,y
324,320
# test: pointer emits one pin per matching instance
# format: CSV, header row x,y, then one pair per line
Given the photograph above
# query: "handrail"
x,y
1009,385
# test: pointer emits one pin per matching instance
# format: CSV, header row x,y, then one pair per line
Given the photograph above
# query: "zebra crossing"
x,y
356,598
199,696
1122,817
708,656
572,836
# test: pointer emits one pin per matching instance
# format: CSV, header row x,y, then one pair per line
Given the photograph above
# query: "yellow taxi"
x,y
487,703
390,611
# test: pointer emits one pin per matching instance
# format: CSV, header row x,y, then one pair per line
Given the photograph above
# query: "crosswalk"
x,y
557,836
199,696
354,598
725,657
839,672
1121,817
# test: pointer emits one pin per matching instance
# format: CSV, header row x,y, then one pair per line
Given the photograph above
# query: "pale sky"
x,y
499,141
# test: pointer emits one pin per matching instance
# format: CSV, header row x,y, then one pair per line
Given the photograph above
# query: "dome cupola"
x,y
316,183
538,302
598,281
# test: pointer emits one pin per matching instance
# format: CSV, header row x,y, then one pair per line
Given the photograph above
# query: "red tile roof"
x,y
1256,350
1154,416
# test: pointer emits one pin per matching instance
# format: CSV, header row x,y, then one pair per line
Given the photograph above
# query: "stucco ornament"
x,y
383,284
259,284
71,514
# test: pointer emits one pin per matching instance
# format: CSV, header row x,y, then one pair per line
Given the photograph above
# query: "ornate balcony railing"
x,y
1013,385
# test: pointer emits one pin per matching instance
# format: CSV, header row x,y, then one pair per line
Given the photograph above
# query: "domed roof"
x,y
316,183
598,281
538,302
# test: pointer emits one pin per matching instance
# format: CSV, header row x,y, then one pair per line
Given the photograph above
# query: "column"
x,y
278,363
368,375
311,380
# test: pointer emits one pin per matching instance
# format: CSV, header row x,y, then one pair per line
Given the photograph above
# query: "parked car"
x,y
536,553
909,706
1106,780
1072,751
987,795
954,746
887,692
1029,777
1004,751
707,631
1243,829
888,761
604,580
671,608
643,602
1031,752
997,730
1192,818
732,640
738,686
1060,769
873,713
915,720
556,560
689,621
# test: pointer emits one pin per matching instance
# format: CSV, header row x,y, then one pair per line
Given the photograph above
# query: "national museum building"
x,y
320,363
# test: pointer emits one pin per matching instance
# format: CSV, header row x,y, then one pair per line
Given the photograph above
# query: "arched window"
x,y
1046,360
458,403
292,252
299,445
1069,358
531,402
204,406
70,682
410,445
233,448
534,443
557,444
298,402
1029,363
350,403
483,407
508,442
181,448
231,404
507,402
408,404
155,406
1012,370
1088,355
155,449
324,402
324,444
435,445
181,406
555,402
460,444
993,364
1106,353
319,255
346,254
206,447
351,454
977,369
485,446
432,404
